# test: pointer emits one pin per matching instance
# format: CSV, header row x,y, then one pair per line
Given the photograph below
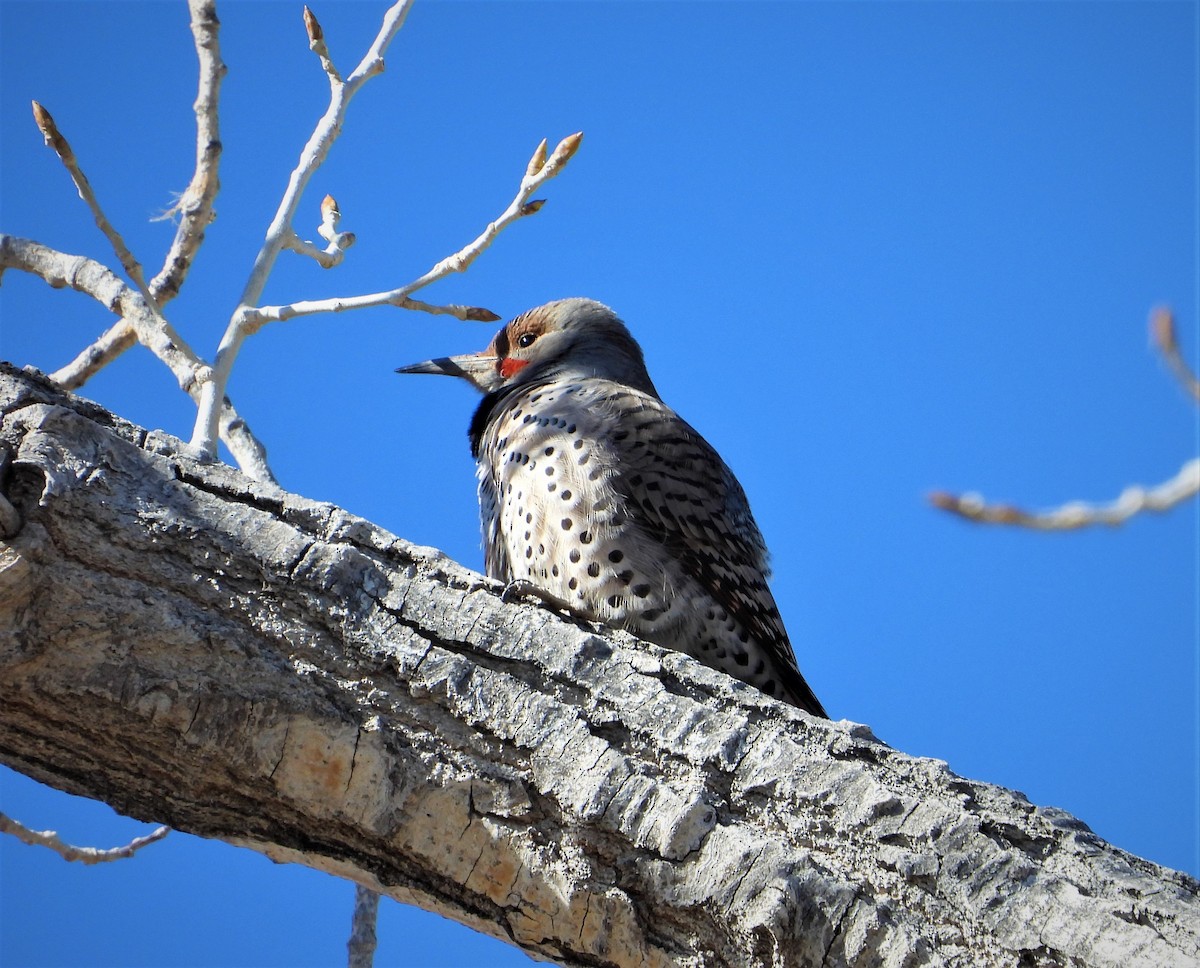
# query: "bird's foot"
x,y
520,588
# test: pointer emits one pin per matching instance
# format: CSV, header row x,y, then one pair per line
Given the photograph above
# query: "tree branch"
x,y
85,855
538,172
1133,500
280,233
1077,514
58,269
276,673
360,949
62,148
195,206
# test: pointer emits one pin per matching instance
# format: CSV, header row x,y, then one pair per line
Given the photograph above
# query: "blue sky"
x,y
870,250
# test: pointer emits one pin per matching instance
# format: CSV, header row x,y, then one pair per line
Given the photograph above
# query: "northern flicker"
x,y
598,495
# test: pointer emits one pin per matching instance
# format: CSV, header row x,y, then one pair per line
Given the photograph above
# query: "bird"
x,y
600,498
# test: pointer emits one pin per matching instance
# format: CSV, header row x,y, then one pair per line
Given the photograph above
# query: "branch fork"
x,y
141,312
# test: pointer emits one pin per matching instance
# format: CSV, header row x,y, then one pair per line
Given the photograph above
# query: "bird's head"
x,y
567,339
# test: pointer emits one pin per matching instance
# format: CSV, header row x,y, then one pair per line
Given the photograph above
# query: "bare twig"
x,y
339,242
361,946
538,172
1162,331
1077,514
280,233
85,855
58,269
62,148
115,341
194,207
316,43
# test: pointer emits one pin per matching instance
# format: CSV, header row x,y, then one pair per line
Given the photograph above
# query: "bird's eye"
x,y
525,340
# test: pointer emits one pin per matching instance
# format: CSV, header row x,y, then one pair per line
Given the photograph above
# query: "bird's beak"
x,y
478,369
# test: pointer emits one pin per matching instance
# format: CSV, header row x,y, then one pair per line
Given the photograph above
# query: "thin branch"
x,y
1069,517
280,232
194,207
1162,331
1133,500
361,946
538,172
339,242
62,148
115,341
85,855
58,269
316,43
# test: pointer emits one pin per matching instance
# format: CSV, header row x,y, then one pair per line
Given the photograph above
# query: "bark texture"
x,y
216,654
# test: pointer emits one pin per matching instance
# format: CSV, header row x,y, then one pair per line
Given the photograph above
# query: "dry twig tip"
x,y
538,161
313,26
1162,332
50,133
566,149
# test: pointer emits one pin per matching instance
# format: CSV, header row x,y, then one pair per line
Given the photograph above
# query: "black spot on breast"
x,y
573,584
741,658
567,524
615,556
594,570
574,555
641,591
585,537
566,494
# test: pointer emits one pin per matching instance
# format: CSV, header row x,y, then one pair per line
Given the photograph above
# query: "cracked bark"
x,y
201,650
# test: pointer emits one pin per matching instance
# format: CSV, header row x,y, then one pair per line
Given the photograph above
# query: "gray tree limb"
x,y
199,649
